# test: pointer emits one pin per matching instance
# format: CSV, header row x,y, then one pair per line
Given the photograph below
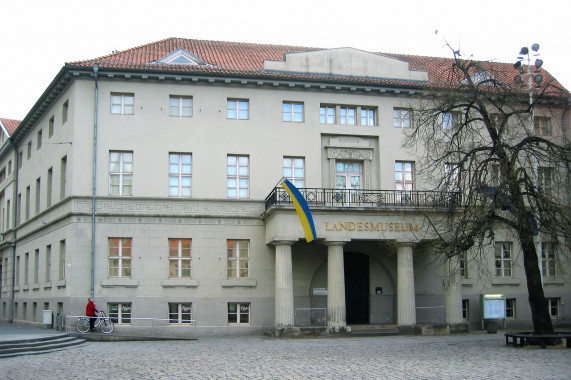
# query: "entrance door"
x,y
348,180
356,287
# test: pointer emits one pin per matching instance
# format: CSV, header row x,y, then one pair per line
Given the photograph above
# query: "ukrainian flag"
x,y
302,209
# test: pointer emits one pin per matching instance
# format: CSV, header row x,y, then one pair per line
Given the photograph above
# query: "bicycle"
x,y
105,324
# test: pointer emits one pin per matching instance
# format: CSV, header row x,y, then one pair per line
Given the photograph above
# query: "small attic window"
x,y
181,56
481,76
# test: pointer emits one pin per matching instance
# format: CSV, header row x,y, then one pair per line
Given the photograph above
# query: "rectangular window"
x,y
63,178
64,111
466,310
548,263
26,268
180,313
542,126
38,193
452,176
347,115
122,104
29,150
404,175
292,112
238,109
48,273
61,260
450,120
17,279
510,308
179,258
544,179
238,177
553,305
238,258
51,127
37,266
120,257
180,174
120,313
402,117
39,140
49,187
463,263
28,200
239,314
327,114
180,106
368,117
294,171
503,255
120,173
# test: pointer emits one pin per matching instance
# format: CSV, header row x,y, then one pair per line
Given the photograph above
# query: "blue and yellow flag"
x,y
302,209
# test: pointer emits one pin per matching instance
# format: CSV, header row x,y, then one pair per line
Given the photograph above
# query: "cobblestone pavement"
x,y
471,356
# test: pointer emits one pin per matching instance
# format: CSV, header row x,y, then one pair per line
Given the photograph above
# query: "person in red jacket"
x,y
90,311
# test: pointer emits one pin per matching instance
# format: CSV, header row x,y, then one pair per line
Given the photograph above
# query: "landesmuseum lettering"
x,y
370,226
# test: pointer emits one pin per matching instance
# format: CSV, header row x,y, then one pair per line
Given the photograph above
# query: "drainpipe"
x,y
14,223
93,201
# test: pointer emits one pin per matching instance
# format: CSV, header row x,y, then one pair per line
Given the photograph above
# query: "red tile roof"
x,y
248,59
10,124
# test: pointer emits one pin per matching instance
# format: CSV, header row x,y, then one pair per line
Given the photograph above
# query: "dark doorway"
x,y
356,287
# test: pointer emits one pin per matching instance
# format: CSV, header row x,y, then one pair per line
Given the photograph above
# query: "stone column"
x,y
336,313
284,311
453,290
406,306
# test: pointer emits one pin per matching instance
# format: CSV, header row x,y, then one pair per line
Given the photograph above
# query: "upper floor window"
x,y
122,104
545,176
327,114
180,106
292,112
29,150
450,120
294,171
347,115
542,126
120,173
180,174
548,259
39,140
51,127
463,265
64,111
238,258
404,175
238,109
179,258
368,116
402,117
452,173
503,259
238,177
120,257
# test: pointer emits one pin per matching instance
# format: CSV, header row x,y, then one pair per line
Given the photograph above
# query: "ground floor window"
x,y
466,310
553,306
238,314
510,307
120,313
180,313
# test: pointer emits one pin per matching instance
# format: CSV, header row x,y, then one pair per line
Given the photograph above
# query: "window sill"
x,y
122,282
506,281
60,283
179,282
242,282
47,285
553,281
467,282
36,287
25,288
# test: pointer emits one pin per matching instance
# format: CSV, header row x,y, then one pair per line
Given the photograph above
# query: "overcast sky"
x,y
37,37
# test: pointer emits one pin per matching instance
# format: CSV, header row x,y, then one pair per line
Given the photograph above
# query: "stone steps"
x,y
38,345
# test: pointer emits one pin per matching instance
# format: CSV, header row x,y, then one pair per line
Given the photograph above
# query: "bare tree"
x,y
477,134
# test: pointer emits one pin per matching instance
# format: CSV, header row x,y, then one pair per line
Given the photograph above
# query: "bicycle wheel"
x,y
82,325
106,326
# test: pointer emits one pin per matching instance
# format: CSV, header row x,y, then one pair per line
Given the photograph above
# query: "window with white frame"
x,y
327,114
120,313
122,104
120,257
554,305
238,177
450,120
292,112
180,313
347,115
294,170
179,258
180,174
544,179
463,265
404,175
542,126
238,314
180,106
548,263
120,173
238,109
402,117
368,117
510,308
466,309
503,259
238,258
452,173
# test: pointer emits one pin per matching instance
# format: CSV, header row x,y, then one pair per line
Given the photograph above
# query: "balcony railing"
x,y
317,197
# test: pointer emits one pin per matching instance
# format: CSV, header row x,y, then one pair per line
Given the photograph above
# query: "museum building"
x,y
151,178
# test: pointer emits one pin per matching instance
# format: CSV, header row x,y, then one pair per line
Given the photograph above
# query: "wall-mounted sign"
x,y
319,291
370,226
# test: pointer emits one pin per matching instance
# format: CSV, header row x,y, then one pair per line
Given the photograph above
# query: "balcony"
x,y
375,199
